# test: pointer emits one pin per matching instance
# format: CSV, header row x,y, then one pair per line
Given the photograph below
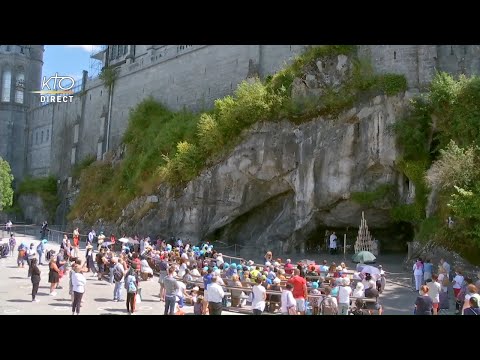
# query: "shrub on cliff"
x,y
173,147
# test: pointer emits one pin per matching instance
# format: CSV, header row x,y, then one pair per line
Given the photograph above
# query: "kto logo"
x,y
56,89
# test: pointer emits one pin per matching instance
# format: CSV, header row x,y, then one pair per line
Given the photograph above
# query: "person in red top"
x,y
76,242
288,267
299,290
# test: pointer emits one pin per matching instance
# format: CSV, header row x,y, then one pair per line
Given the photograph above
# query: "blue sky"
x,y
67,60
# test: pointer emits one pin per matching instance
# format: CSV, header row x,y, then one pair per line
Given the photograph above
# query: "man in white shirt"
x,y
215,297
287,300
259,297
182,293
333,243
434,289
344,293
78,287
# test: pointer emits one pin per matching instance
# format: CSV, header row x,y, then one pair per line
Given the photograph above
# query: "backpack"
x,y
132,288
328,307
117,275
445,281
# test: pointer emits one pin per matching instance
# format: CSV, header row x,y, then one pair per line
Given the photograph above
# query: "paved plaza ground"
x,y
15,290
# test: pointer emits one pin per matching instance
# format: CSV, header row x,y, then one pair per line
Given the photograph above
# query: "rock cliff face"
x,y
286,183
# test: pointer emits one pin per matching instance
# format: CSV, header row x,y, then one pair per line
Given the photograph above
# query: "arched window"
x,y
48,134
6,85
36,137
41,138
19,88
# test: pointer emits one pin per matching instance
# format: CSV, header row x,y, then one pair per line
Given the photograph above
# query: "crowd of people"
x,y
200,276
433,288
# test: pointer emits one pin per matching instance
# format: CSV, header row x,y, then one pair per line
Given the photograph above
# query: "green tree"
x,y
6,190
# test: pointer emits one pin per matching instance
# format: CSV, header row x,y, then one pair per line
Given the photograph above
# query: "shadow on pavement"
x,y
103,300
19,300
117,310
108,314
149,300
67,305
18,277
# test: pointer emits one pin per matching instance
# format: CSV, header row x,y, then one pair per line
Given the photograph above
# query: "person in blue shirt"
x,y
427,270
40,250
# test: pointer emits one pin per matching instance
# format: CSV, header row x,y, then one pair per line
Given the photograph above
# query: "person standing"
x,y
53,275
119,277
418,273
300,292
131,284
8,226
31,254
76,243
333,243
434,290
78,283
40,250
259,295
91,236
44,230
171,288
89,259
215,297
446,266
288,303
101,239
12,243
35,272
424,303
344,293
427,270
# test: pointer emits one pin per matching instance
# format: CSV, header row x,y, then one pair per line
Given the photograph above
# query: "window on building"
x,y
36,138
125,49
19,88
48,134
8,47
114,51
6,85
72,160
75,133
99,150
22,51
41,138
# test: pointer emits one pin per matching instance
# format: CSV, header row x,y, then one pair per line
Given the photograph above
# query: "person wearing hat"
x,y
288,267
359,292
89,258
344,293
314,297
274,299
